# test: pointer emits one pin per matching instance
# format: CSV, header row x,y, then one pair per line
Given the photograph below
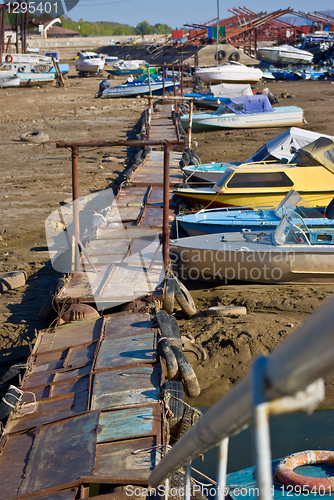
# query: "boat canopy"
x,y
322,151
245,105
231,89
284,146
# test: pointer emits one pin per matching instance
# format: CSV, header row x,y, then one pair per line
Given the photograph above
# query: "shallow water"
x,y
289,434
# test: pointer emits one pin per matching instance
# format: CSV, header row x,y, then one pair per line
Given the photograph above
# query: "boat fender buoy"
x,y
169,356
168,329
172,394
188,376
9,58
169,298
235,56
284,471
220,55
184,299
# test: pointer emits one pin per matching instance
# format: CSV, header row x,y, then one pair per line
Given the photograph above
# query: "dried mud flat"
x,y
35,179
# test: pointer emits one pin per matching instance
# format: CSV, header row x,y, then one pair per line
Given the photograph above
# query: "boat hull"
x,y
218,75
207,259
266,199
280,56
279,117
134,90
32,79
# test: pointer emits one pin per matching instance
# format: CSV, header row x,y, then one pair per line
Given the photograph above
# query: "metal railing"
x,y
289,379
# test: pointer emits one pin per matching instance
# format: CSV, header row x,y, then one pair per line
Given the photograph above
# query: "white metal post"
x,y
222,467
262,450
187,482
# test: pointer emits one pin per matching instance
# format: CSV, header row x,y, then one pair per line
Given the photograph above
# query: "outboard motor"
x,y
104,85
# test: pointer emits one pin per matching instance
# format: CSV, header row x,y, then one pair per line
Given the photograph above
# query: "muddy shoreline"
x,y
35,179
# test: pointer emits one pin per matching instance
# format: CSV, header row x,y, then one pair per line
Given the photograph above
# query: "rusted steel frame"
x,y
172,98
165,219
174,88
181,74
75,198
190,124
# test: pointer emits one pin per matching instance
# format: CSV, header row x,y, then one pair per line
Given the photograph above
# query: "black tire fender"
x,y
176,406
168,329
235,56
220,55
184,299
169,356
189,418
169,295
188,376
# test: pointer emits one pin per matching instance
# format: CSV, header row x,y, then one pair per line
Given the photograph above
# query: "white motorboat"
x,y
229,72
89,62
294,253
246,112
284,54
31,63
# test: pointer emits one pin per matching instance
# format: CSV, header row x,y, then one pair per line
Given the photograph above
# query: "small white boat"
x,y
284,54
246,112
89,63
294,253
229,72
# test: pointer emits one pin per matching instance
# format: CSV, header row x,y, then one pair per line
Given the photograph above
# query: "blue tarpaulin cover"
x,y
245,105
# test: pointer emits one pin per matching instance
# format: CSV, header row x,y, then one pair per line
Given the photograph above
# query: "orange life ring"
x,y
8,58
284,471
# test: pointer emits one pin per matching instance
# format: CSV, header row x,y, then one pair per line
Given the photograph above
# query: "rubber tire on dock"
x,y
34,136
169,356
175,389
189,379
169,295
11,280
168,328
189,418
184,299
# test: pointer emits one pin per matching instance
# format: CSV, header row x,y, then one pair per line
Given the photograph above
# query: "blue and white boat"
x,y
282,148
246,112
229,220
140,86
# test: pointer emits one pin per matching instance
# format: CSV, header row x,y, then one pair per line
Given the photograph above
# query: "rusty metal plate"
x,y
60,495
72,385
13,460
122,388
80,356
118,463
127,324
136,349
66,450
71,335
129,424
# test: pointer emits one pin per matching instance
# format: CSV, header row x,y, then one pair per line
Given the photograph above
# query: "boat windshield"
x,y
291,233
289,201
